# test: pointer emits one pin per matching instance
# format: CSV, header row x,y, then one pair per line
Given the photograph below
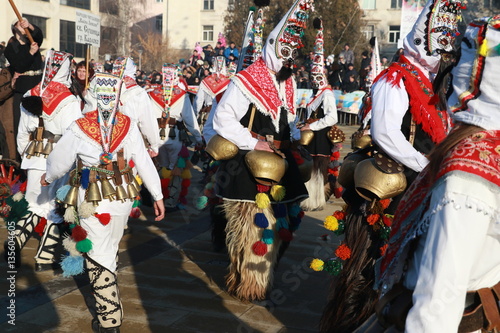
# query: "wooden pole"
x,y
20,18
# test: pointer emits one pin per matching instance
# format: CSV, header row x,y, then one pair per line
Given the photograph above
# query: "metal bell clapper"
x,y
108,191
93,194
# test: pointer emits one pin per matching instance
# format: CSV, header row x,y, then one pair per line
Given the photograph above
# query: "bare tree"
x,y
155,51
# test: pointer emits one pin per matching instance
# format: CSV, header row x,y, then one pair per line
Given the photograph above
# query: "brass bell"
x,y
38,148
346,172
121,194
267,168
108,191
48,148
372,183
306,137
360,141
71,198
162,134
171,133
132,191
30,151
93,195
220,148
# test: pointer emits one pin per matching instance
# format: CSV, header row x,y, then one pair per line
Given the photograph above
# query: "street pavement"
x,y
171,280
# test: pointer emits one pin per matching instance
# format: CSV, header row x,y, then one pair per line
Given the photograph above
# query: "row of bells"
x,y
108,191
37,148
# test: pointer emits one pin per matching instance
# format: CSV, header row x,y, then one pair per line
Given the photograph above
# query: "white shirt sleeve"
x,y
232,107
390,104
62,158
208,128
27,124
189,119
452,260
330,111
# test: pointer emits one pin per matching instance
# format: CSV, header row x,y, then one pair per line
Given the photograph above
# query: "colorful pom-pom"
x,y
186,182
372,219
104,218
339,215
165,173
136,203
201,202
69,215
186,174
78,233
383,249
84,246
294,210
263,188
262,200
278,192
209,186
131,163
70,245
317,265
261,221
384,232
285,235
72,265
301,214
331,223
138,179
281,223
333,267
259,248
105,158
40,227
135,213
387,220
343,252
340,229
385,203
181,163
86,209
268,236
62,192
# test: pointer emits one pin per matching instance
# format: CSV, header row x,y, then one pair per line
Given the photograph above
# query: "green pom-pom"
x,y
333,267
181,163
71,226
84,246
384,232
340,229
201,202
17,209
268,236
137,203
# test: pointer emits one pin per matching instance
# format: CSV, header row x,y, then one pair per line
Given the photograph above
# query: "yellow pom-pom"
x,y
483,49
317,265
139,179
165,173
262,200
278,192
331,223
186,174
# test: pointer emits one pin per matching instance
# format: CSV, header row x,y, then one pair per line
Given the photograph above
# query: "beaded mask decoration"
x,y
119,66
53,62
318,79
220,65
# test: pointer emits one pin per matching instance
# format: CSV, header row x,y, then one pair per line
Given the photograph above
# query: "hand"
x,y
43,182
152,153
305,127
159,207
34,48
24,24
264,146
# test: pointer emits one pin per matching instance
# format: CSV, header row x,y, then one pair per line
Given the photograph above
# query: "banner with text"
x,y
88,28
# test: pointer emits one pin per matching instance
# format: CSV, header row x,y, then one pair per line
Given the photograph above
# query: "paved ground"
x,y
172,281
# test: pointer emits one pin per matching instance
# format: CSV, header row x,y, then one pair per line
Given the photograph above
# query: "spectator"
x,y
365,60
350,85
399,52
108,66
219,49
309,61
350,71
338,71
303,78
194,58
347,54
231,50
209,54
384,63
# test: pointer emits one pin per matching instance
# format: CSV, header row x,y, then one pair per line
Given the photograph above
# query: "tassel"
x,y
84,246
78,233
262,200
317,265
165,173
131,164
187,183
278,192
295,210
262,188
259,248
104,218
186,174
138,179
137,203
62,192
181,163
70,246
135,213
40,227
86,210
69,215
281,223
184,153
268,236
72,265
85,178
201,202
483,49
261,220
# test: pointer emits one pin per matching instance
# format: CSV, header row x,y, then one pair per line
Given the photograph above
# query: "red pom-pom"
x,y
78,233
40,227
259,248
285,235
263,188
184,191
135,213
186,182
103,218
338,191
301,214
164,182
131,164
387,220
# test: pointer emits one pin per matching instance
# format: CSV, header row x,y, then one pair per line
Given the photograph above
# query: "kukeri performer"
x,y
324,144
256,116
405,124
442,264
47,110
175,116
105,145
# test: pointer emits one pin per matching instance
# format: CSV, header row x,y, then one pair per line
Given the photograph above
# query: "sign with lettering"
x,y
88,28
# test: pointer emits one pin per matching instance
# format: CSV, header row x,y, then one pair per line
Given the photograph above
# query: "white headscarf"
x,y
475,99
57,68
434,31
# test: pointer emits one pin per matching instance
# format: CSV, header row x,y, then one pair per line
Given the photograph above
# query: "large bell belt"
x,y
283,144
37,146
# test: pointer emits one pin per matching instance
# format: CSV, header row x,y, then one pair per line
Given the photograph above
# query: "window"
x,y
394,32
368,31
492,4
208,33
208,4
84,4
159,23
67,41
368,4
108,6
40,22
396,4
